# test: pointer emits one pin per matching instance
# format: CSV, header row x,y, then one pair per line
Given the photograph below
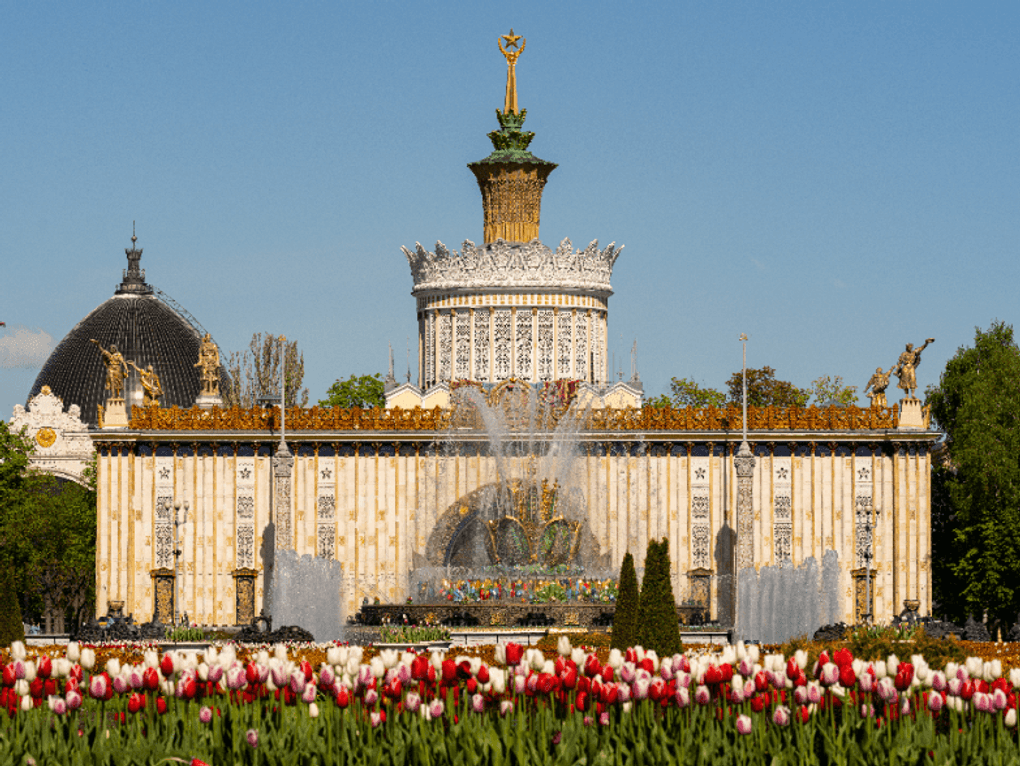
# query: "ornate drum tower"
x,y
512,307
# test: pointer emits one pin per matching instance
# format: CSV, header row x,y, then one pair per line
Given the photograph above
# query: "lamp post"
x,y
178,521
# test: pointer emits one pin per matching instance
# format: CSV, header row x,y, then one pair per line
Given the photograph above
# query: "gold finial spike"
x,y
518,42
133,237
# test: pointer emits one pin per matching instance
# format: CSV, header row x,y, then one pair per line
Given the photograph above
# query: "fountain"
x,y
518,550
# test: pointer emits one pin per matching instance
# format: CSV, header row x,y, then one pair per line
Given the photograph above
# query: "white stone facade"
x,y
512,310
373,500
62,444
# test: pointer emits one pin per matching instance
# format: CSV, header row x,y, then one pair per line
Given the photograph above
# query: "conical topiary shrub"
x,y
659,628
625,619
11,627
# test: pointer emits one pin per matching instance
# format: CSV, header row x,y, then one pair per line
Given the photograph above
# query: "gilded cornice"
x,y
650,419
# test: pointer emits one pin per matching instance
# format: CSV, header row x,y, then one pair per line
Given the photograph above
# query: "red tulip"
x,y
713,675
514,653
607,673
464,669
45,666
570,678
471,686
166,665
592,666
843,658
420,668
9,678
161,705
135,703
792,668
343,697
581,702
758,703
609,693
847,677
449,671
646,664
150,679
546,683
483,675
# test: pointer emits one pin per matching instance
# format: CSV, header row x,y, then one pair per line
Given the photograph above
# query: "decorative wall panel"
x,y
545,345
462,336
244,504
445,346
864,494
581,345
701,511
502,343
164,481
563,344
523,338
782,510
482,345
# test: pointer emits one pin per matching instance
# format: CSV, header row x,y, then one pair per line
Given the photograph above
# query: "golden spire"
x,y
512,41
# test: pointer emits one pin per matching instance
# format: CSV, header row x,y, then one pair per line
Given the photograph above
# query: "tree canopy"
x,y
255,372
976,490
763,390
364,391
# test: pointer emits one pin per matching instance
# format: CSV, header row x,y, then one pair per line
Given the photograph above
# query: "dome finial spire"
x,y
134,277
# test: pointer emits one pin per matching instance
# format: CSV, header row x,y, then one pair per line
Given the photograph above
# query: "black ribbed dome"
x,y
146,331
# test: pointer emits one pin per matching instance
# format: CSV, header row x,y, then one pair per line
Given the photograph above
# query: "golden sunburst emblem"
x,y
45,437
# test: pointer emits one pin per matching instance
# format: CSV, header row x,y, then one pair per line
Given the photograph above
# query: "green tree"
x,y
977,531
625,618
764,390
255,372
11,627
832,389
658,626
685,392
364,391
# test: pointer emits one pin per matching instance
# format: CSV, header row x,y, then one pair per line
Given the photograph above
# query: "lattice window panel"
x,y
782,541
445,346
163,531
863,513
581,346
245,507
563,345
246,546
327,506
598,363
700,506
462,335
430,350
524,344
700,546
782,507
327,541
545,345
481,345
502,344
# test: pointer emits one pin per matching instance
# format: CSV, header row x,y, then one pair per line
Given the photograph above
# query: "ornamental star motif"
x,y
863,474
326,473
164,473
782,473
245,472
699,473
511,39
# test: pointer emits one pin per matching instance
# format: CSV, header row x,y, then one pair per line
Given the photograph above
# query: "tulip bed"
x,y
523,708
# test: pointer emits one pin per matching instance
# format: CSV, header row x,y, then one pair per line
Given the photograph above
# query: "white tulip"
x,y
18,651
88,658
578,656
113,667
615,660
73,652
563,646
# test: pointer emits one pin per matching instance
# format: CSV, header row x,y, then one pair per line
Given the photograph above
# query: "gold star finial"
x,y
511,39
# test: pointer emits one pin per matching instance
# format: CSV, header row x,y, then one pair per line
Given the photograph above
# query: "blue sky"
x,y
833,179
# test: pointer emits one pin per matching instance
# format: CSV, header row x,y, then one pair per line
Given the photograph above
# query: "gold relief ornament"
x,y
45,437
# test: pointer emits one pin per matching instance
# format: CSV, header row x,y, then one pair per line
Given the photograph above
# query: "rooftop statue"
x,y
878,383
116,369
906,365
209,361
150,384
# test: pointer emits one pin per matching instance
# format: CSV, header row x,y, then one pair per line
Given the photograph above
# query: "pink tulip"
x,y
746,667
999,700
954,687
253,737
604,718
19,669
327,677
800,695
829,675
702,695
781,716
279,676
938,681
520,683
749,689
905,706
215,674
887,690
743,724
628,672
73,700
478,703
666,671
98,686
866,682
737,695
308,695
867,711
641,689
297,682
205,714
935,702
376,718
120,684
371,697
236,678
436,708
814,693
983,702
683,697
136,678
412,702
403,674
505,708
